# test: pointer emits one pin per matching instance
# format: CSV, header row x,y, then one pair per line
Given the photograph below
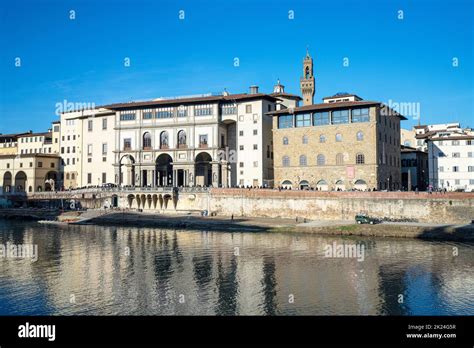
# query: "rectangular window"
x,y
285,121
303,120
129,116
455,169
104,178
73,160
248,108
470,169
182,111
203,140
241,133
89,150
241,147
52,164
360,115
147,114
255,146
229,109
340,116
320,118
104,148
89,178
127,144
255,164
203,110
471,181
68,149
67,161
441,169
40,164
455,142
104,124
469,154
164,113
468,142
89,125
457,182
255,132
56,129
456,155
241,164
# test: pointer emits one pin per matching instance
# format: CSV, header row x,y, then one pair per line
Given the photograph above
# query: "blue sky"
x,y
82,60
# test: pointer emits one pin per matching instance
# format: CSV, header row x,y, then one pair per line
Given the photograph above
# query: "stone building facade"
x,y
352,144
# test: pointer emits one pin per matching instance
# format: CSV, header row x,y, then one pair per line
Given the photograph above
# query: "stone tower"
x,y
307,81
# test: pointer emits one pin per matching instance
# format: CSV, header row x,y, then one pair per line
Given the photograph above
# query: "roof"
x,y
420,127
407,149
342,95
179,101
12,135
34,134
286,95
456,137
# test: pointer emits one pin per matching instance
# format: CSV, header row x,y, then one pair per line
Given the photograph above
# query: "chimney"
x,y
254,89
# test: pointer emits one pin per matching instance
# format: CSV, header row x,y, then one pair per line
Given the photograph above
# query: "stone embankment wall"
x,y
314,205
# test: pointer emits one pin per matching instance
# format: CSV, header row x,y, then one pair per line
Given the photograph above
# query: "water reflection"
x,y
114,270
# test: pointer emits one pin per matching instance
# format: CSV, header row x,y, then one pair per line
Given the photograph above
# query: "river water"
x,y
97,270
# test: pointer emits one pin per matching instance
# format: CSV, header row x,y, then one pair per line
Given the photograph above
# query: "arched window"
x,y
307,72
360,136
164,144
181,138
285,161
360,158
320,160
146,141
322,138
338,137
305,139
339,159
285,141
303,160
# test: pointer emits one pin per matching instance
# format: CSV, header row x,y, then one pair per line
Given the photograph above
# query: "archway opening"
x,y
20,181
360,185
304,185
164,170
203,173
127,171
50,181
7,182
322,185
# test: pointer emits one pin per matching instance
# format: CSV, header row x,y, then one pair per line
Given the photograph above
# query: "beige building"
x,y
9,144
86,145
29,163
29,172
